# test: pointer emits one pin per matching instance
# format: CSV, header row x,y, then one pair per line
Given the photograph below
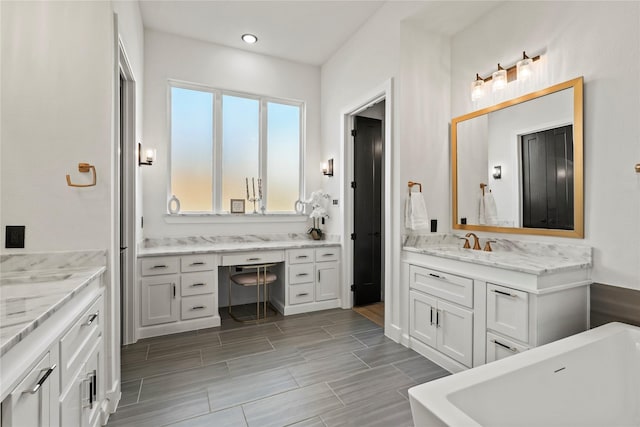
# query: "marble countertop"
x,y
524,256
201,244
28,298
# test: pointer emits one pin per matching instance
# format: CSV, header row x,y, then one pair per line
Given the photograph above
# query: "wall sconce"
x,y
327,168
521,70
149,155
497,172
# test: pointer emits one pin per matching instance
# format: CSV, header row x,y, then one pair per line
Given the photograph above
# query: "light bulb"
x,y
499,79
524,68
477,88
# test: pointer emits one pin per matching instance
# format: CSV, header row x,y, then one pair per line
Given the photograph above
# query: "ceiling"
x,y
303,31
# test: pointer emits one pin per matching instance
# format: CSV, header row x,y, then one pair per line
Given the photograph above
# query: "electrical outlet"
x,y
335,202
14,237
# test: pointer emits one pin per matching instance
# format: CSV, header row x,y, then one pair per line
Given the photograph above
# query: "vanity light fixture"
x,y
521,70
327,168
497,172
149,156
523,67
477,88
249,38
499,78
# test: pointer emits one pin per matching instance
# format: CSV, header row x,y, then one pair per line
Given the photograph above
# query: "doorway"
x,y
125,198
367,209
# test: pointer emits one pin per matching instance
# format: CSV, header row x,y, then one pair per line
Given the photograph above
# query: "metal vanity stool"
x,y
256,275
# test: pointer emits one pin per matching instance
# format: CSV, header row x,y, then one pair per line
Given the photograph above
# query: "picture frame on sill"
x,y
237,206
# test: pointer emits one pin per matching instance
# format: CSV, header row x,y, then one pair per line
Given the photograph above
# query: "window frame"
x,y
218,205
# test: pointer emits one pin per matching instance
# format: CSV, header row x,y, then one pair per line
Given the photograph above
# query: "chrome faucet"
x,y
476,241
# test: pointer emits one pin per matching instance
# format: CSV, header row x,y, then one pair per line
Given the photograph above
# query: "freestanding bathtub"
x,y
591,379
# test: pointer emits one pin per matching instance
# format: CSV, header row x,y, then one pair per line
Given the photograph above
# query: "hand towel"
x,y
416,216
487,211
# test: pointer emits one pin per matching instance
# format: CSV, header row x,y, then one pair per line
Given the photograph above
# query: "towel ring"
x,y
411,184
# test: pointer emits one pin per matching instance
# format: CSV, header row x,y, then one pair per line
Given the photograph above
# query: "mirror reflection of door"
x,y
547,179
367,217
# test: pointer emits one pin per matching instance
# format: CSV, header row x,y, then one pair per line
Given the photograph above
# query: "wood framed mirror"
x,y
517,167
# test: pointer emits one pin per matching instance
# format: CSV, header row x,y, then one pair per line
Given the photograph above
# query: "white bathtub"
x,y
588,379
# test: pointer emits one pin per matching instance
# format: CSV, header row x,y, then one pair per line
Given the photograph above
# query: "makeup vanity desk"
x,y
179,280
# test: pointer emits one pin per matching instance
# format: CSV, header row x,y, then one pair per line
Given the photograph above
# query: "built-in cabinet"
x,y
64,385
463,314
312,280
436,320
178,293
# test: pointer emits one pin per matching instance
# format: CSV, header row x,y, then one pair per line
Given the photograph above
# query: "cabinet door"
x,y
28,404
455,332
159,300
79,405
422,318
508,312
326,281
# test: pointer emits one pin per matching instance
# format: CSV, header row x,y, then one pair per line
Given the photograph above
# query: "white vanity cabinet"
x,y
312,280
463,314
64,385
177,294
435,319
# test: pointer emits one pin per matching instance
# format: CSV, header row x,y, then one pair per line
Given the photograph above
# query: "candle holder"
x,y
254,200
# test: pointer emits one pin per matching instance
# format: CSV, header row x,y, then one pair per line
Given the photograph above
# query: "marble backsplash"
x,y
52,260
212,240
554,250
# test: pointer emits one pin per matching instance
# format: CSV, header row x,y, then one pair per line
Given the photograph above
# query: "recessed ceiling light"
x,y
249,38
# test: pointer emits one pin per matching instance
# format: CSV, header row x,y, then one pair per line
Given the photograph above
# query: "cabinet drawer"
x,y
301,273
302,293
297,256
198,306
159,265
197,283
508,311
248,258
447,286
327,254
197,263
499,347
76,343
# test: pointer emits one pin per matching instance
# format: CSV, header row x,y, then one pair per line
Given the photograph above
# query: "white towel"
x,y
487,211
415,214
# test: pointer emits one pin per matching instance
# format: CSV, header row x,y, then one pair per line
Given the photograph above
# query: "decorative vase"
x,y
316,233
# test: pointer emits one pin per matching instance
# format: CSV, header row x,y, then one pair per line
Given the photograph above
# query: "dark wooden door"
x,y
367,215
547,179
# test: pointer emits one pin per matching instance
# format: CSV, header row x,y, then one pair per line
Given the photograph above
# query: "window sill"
x,y
204,218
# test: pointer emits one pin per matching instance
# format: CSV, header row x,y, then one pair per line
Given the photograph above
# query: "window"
x,y
220,138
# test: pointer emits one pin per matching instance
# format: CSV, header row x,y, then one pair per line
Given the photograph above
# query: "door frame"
x,y
129,299
380,93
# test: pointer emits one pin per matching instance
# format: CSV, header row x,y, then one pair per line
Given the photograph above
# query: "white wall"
x,y
600,41
173,57
57,89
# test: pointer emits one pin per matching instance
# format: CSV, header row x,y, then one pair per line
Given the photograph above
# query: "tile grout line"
x,y
139,391
335,394
365,363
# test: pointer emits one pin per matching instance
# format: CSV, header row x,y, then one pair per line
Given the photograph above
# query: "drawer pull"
x,y
198,307
304,294
254,259
438,325
431,318
302,274
328,254
160,266
302,256
174,290
197,263
197,284
504,293
90,319
437,276
511,349
41,381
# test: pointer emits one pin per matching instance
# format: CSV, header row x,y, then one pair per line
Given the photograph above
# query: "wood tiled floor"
x,y
328,368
